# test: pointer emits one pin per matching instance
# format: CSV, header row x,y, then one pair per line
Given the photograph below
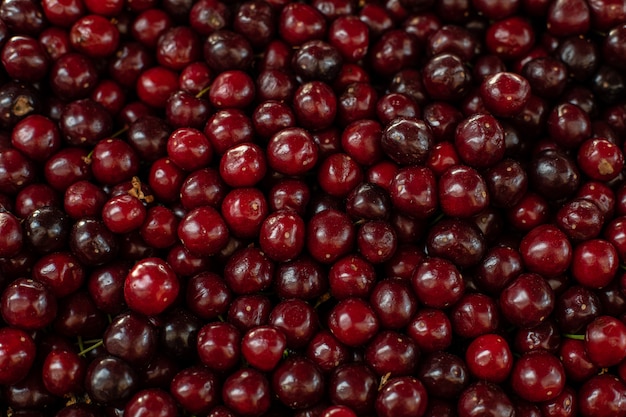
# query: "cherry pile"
x,y
323,208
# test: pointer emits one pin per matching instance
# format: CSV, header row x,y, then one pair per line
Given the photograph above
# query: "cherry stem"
x,y
575,336
119,132
322,300
83,352
203,91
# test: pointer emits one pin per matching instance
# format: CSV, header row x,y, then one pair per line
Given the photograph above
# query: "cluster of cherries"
x,y
324,208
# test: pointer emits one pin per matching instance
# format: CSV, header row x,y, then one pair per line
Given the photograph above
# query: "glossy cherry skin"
x,y
602,396
437,283
18,354
403,396
546,250
263,347
12,235
298,383
462,192
330,234
485,398
505,93
489,357
195,389
475,314
247,392
353,385
28,304
353,322
599,256
203,231
538,376
604,338
527,300
151,286
219,346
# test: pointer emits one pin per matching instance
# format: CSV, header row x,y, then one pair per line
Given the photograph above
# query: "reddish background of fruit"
x,y
324,208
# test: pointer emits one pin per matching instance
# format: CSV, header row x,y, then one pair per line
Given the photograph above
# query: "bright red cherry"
x,y
151,286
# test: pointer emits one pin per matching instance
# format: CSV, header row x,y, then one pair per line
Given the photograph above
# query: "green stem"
x,y
203,91
119,132
575,336
83,352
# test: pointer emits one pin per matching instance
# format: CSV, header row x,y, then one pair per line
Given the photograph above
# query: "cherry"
x,y
597,255
232,88
247,392
351,276
538,376
271,116
604,337
413,190
456,240
600,159
546,250
292,151
309,388
353,321
462,192
95,36
123,213
443,374
299,23
350,35
28,304
353,385
403,396
24,59
195,389
483,396
12,235
445,77
315,105
510,38
437,283
300,278
527,300
326,351
62,13
393,354
568,19
282,235
601,395
475,314
296,319
263,347
576,307
150,286
489,358
152,400
203,231
218,346
329,235
18,354
131,337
